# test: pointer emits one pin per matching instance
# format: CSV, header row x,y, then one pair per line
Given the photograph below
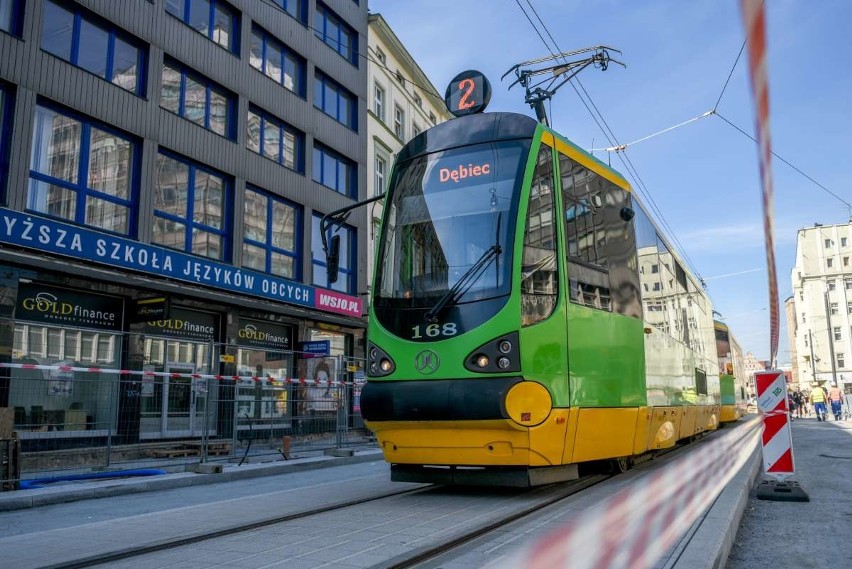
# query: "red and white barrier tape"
x,y
755,24
634,527
243,378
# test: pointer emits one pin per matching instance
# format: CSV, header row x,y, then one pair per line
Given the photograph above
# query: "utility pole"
x,y
830,338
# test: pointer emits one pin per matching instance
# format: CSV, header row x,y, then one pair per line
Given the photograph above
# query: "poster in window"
x,y
60,382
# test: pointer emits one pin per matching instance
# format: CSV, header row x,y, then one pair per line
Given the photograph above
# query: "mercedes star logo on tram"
x,y
427,362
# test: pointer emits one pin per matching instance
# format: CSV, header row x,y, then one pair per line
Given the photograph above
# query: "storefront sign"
x,y
46,303
316,349
266,335
33,232
148,309
187,324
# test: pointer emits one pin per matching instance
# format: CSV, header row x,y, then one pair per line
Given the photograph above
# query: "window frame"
x,y
81,189
209,87
188,222
399,121
379,101
268,40
343,97
325,15
340,159
234,33
298,150
16,18
301,10
268,247
7,110
346,273
79,15
379,185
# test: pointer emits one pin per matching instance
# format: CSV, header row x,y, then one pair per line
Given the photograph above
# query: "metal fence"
x,y
75,411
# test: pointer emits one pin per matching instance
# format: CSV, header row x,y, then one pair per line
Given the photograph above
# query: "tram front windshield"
x,y
449,225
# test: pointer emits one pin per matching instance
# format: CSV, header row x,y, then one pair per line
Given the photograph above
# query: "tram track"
x,y
467,517
101,559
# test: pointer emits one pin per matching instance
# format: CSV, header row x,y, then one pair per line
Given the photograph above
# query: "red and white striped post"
x,y
778,462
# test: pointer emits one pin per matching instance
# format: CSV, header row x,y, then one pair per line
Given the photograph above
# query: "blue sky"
x,y
703,176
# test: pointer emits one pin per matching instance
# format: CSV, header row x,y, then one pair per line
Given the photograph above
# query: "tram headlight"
x,y
500,355
379,363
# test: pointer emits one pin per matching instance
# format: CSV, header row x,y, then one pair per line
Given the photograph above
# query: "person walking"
x,y
799,400
847,404
835,398
818,401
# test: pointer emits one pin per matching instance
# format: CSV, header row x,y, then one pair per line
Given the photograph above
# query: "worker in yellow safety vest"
x,y
818,400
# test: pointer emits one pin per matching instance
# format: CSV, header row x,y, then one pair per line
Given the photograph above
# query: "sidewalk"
x,y
58,493
804,534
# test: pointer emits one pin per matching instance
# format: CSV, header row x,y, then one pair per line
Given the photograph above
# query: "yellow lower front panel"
x,y
473,443
729,414
605,433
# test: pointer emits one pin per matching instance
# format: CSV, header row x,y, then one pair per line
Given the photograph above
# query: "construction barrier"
x,y
777,435
636,526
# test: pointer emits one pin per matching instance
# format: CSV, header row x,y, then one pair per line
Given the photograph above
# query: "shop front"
x,y
64,331
264,352
177,400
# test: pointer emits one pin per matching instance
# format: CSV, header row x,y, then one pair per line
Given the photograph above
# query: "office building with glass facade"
x,y
164,166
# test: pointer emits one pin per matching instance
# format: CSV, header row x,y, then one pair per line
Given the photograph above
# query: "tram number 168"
x,y
434,330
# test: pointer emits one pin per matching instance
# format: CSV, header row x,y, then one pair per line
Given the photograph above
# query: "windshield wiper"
x,y
463,284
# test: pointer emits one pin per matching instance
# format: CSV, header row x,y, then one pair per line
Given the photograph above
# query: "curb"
x,y
710,544
22,499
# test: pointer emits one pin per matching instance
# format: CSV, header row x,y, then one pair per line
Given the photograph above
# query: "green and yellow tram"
x,y
526,314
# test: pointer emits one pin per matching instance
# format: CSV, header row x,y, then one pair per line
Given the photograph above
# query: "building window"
x,y
432,118
833,308
831,285
841,360
828,243
843,242
415,129
273,138
336,34
379,102
5,135
271,235
191,208
801,295
380,171
335,101
803,318
837,333
829,262
849,307
417,99
848,284
216,19
10,16
380,55
346,272
197,99
277,61
400,77
295,8
806,341
334,171
399,122
93,45
845,261
83,172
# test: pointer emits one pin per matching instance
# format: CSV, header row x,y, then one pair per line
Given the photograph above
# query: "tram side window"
x,y
539,281
600,243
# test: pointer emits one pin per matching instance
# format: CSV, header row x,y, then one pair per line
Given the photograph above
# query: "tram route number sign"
x,y
469,92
